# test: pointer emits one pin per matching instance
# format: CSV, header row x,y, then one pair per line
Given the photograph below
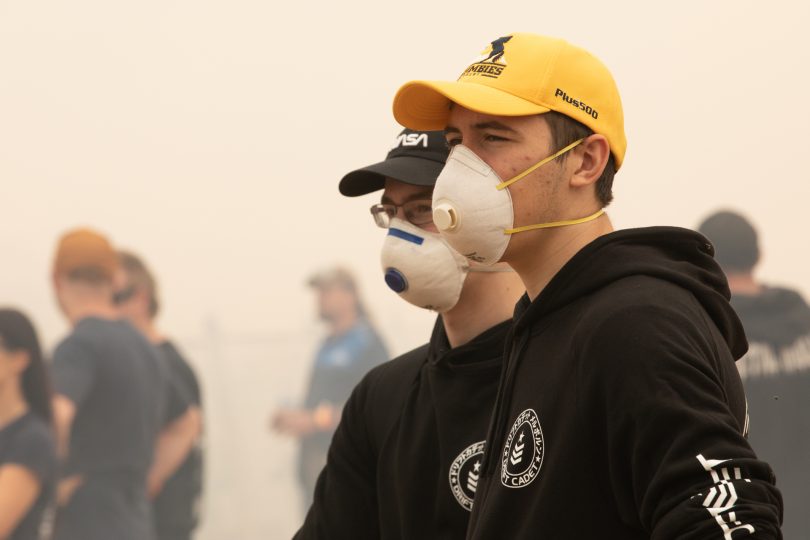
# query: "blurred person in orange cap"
x,y
28,463
620,413
111,399
176,477
351,348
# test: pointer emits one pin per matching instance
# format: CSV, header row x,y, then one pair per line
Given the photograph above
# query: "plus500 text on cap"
x,y
521,75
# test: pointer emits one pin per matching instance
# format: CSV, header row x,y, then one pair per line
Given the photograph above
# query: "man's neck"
x,y
146,326
537,267
342,323
91,308
743,284
488,298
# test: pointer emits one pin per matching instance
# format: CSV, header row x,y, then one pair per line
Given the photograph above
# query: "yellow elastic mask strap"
x,y
504,185
555,224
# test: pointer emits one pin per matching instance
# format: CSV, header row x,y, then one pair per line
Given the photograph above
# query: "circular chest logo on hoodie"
x,y
464,473
523,451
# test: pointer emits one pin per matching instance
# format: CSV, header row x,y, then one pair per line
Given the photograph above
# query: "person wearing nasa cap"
x,y
405,459
620,413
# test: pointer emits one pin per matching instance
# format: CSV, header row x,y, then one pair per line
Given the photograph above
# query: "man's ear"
x,y
593,154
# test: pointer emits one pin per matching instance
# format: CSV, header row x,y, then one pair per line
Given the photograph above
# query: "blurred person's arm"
x,y
64,411
301,422
19,489
29,462
173,445
73,373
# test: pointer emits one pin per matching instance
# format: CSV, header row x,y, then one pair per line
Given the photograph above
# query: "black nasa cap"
x,y
416,158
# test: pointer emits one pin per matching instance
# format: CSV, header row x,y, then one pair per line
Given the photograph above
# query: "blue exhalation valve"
x,y
395,280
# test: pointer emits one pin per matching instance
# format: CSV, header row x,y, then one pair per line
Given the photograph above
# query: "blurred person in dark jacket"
x,y
776,369
176,477
351,348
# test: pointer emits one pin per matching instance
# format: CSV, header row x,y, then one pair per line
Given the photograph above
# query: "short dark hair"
x,y
736,247
564,131
140,277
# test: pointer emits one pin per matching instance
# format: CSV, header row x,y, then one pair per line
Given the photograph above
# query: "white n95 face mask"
x,y
473,209
421,267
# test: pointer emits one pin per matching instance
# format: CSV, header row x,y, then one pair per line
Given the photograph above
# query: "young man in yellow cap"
x,y
620,413
112,396
405,460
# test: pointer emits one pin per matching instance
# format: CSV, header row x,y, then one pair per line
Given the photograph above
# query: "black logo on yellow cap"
x,y
581,105
492,63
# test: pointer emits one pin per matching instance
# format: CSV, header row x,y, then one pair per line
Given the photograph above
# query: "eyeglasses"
x,y
418,212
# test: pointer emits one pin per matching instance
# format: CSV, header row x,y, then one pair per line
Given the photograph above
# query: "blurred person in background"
x,y
351,348
776,369
406,457
112,396
176,477
27,449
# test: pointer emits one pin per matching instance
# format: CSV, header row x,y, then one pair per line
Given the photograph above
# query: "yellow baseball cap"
x,y
520,75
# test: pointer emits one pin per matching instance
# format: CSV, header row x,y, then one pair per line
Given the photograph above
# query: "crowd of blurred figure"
x,y
104,439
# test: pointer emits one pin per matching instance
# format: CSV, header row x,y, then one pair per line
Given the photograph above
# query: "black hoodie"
x,y
620,414
405,459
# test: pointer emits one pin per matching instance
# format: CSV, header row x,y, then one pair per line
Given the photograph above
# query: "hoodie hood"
x,y
680,256
776,316
483,351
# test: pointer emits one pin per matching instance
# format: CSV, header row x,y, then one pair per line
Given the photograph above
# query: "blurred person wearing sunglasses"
x,y
27,447
176,477
405,460
351,348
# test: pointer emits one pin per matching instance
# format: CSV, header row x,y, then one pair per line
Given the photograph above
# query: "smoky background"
x,y
209,137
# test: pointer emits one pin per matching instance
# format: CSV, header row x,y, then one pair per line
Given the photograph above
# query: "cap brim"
x,y
425,105
406,169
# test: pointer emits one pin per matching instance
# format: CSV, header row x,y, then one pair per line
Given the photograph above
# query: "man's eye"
x,y
494,138
452,142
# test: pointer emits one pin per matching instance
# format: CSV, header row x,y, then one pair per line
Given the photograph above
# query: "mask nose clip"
x,y
445,216
395,280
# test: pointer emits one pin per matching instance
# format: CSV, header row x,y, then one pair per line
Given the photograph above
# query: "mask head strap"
x,y
504,185
555,223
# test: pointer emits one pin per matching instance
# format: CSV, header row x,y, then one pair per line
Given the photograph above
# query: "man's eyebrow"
x,y
492,124
419,195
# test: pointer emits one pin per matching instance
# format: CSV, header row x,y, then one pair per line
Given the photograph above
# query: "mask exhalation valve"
x,y
445,217
395,280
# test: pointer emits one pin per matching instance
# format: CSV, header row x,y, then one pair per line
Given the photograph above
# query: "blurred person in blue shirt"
x,y
351,348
